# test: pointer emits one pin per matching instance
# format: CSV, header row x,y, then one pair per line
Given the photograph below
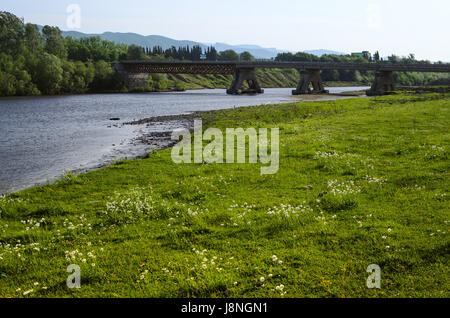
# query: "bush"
x,y
180,86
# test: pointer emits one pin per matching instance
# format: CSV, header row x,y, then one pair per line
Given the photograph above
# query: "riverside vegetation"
x,y
35,61
361,182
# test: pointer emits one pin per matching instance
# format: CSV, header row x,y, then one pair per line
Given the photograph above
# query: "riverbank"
x,y
361,182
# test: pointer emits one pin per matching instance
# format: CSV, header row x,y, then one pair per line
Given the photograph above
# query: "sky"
x,y
389,26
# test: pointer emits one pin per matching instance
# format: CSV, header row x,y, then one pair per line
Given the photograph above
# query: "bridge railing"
x,y
394,67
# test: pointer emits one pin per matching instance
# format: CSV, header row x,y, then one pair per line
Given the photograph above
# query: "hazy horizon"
x,y
399,28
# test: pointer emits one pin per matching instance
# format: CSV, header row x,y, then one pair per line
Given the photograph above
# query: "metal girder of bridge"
x,y
228,67
242,75
310,78
383,83
180,68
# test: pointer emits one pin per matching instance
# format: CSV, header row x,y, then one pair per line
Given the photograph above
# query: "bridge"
x,y
136,73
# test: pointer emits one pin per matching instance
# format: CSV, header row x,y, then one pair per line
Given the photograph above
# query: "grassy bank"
x,y
269,78
361,182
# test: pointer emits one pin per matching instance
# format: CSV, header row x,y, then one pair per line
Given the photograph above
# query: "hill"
x,y
319,53
165,42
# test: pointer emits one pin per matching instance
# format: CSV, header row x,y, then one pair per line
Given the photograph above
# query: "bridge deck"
x,y
226,68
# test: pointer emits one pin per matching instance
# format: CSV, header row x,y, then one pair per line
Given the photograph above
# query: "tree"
x,y
48,74
14,77
77,76
23,81
376,56
67,84
228,55
211,54
298,57
393,59
246,56
135,52
103,78
77,50
411,58
11,33
195,53
54,41
33,38
7,84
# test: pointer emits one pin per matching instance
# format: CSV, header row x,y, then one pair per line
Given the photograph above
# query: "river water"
x,y
41,137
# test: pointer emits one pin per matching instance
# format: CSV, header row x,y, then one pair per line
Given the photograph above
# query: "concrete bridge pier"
x,y
383,83
242,75
307,78
136,80
131,80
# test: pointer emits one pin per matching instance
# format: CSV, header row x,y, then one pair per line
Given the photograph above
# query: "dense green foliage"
x,y
246,56
181,53
95,49
228,55
34,63
192,54
361,182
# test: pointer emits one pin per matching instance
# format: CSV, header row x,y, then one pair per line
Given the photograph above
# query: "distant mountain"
x,y
319,53
165,42
256,50
134,38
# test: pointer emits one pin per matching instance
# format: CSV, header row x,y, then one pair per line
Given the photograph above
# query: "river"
x,y
41,137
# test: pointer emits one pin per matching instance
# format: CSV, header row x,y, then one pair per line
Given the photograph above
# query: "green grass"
x,y
361,182
267,78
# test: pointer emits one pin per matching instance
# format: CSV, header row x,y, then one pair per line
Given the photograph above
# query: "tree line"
x,y
36,61
188,53
193,53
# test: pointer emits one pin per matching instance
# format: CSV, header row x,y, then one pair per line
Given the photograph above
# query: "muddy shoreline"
x,y
161,140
